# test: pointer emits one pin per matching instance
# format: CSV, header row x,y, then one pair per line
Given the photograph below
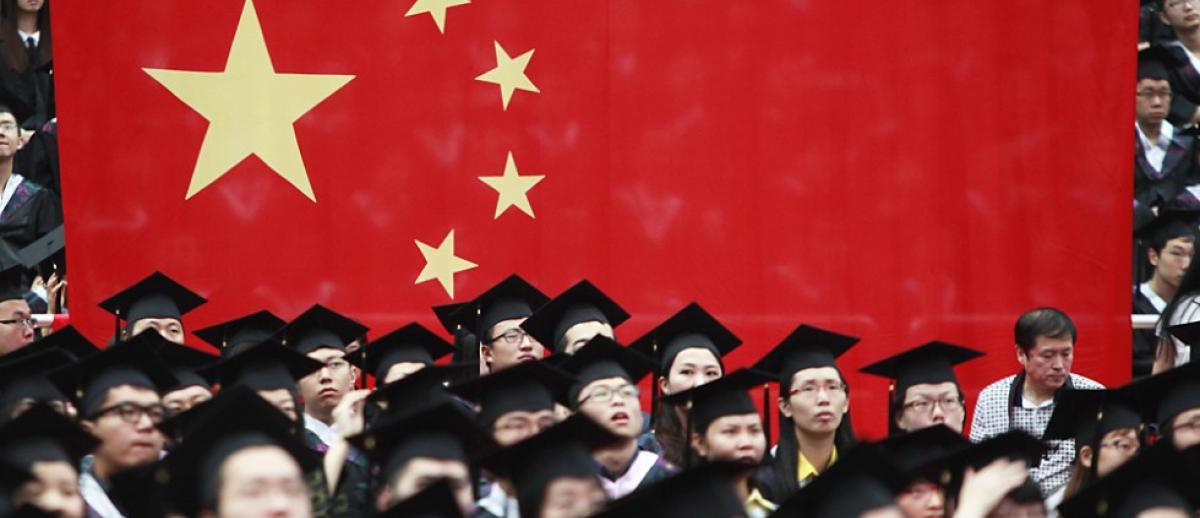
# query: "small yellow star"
x,y
442,264
509,74
436,9
250,108
512,187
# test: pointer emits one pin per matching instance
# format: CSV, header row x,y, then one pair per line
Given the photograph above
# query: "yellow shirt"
x,y
805,469
759,507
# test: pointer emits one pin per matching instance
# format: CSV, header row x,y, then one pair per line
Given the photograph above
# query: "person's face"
x,y
1007,508
126,443
509,345
10,142
1180,15
182,400
324,388
1186,429
423,472
169,328
1173,261
262,481
572,497
1153,100
578,335
401,370
1117,447
692,367
929,404
1163,512
922,500
30,6
282,399
613,402
17,334
733,438
817,402
518,425
1048,362
54,489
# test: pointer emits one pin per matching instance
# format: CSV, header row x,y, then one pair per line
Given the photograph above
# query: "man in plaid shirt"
x,y
1045,339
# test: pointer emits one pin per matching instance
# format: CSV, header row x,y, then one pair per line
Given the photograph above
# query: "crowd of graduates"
x,y
533,406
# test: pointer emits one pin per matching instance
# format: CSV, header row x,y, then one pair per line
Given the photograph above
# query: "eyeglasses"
x,y
1175,4
810,390
25,322
511,337
1122,445
605,394
525,426
132,412
1151,94
925,406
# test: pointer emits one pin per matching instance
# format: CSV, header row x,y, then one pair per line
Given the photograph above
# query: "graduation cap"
x,y
459,325
185,362
510,299
26,378
1158,477
1165,395
320,327
234,335
603,358
1014,445
1171,223
234,420
41,434
435,501
925,454
691,327
127,363
264,366
67,339
47,255
156,296
863,480
1153,63
583,302
530,386
930,363
1088,415
806,347
562,450
412,343
419,389
721,397
444,431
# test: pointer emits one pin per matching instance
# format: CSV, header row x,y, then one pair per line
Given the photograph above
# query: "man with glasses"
x,y
925,391
118,396
27,210
497,315
16,327
1183,18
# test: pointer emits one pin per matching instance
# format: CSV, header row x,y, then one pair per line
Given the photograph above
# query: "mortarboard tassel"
x,y
766,405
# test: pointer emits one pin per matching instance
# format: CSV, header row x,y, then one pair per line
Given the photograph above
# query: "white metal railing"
x,y
1144,321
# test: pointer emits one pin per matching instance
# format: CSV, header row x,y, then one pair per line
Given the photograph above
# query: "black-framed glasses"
x,y
27,322
513,336
605,394
132,412
1150,94
925,406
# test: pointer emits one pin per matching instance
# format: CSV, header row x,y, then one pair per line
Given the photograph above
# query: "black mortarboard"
x,y
422,388
1015,445
562,450
1187,333
320,327
1165,395
451,318
861,481
26,378
603,358
930,363
156,296
234,335
510,299
234,420
1171,223
924,454
1153,63
184,361
409,344
806,347
126,363
530,386
142,490
46,255
459,324
706,490
691,327
67,339
720,397
1158,477
1087,415
434,501
12,274
264,366
444,431
583,302
41,434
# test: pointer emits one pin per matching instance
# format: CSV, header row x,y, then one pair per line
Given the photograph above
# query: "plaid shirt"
x,y
993,417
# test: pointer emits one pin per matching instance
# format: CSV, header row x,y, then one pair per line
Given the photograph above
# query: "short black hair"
x,y
5,109
1046,321
1159,241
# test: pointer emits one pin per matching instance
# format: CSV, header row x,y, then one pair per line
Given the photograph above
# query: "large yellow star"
x,y
509,74
513,188
436,9
442,264
250,109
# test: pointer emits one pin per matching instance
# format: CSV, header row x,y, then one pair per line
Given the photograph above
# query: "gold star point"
x,y
509,74
442,264
513,188
436,10
250,108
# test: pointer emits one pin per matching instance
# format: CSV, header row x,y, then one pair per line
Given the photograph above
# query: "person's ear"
x,y
1085,457
785,407
1162,16
485,352
354,373
699,445
1021,357
1152,257
662,386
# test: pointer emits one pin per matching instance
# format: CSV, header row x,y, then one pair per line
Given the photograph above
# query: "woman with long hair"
x,y
1107,434
1184,308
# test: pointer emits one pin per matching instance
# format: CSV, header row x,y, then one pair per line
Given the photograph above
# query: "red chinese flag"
x,y
899,171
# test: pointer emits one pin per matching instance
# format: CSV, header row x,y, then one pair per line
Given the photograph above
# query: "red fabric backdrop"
x,y
900,171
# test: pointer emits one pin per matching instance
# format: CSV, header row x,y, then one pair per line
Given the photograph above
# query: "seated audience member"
x,y
572,318
400,353
925,391
1158,483
233,336
1106,430
156,302
49,446
27,210
1171,400
1170,244
495,318
923,457
27,72
1045,345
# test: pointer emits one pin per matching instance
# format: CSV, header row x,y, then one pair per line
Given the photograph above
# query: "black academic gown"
x,y
30,94
31,213
1153,188
1144,341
